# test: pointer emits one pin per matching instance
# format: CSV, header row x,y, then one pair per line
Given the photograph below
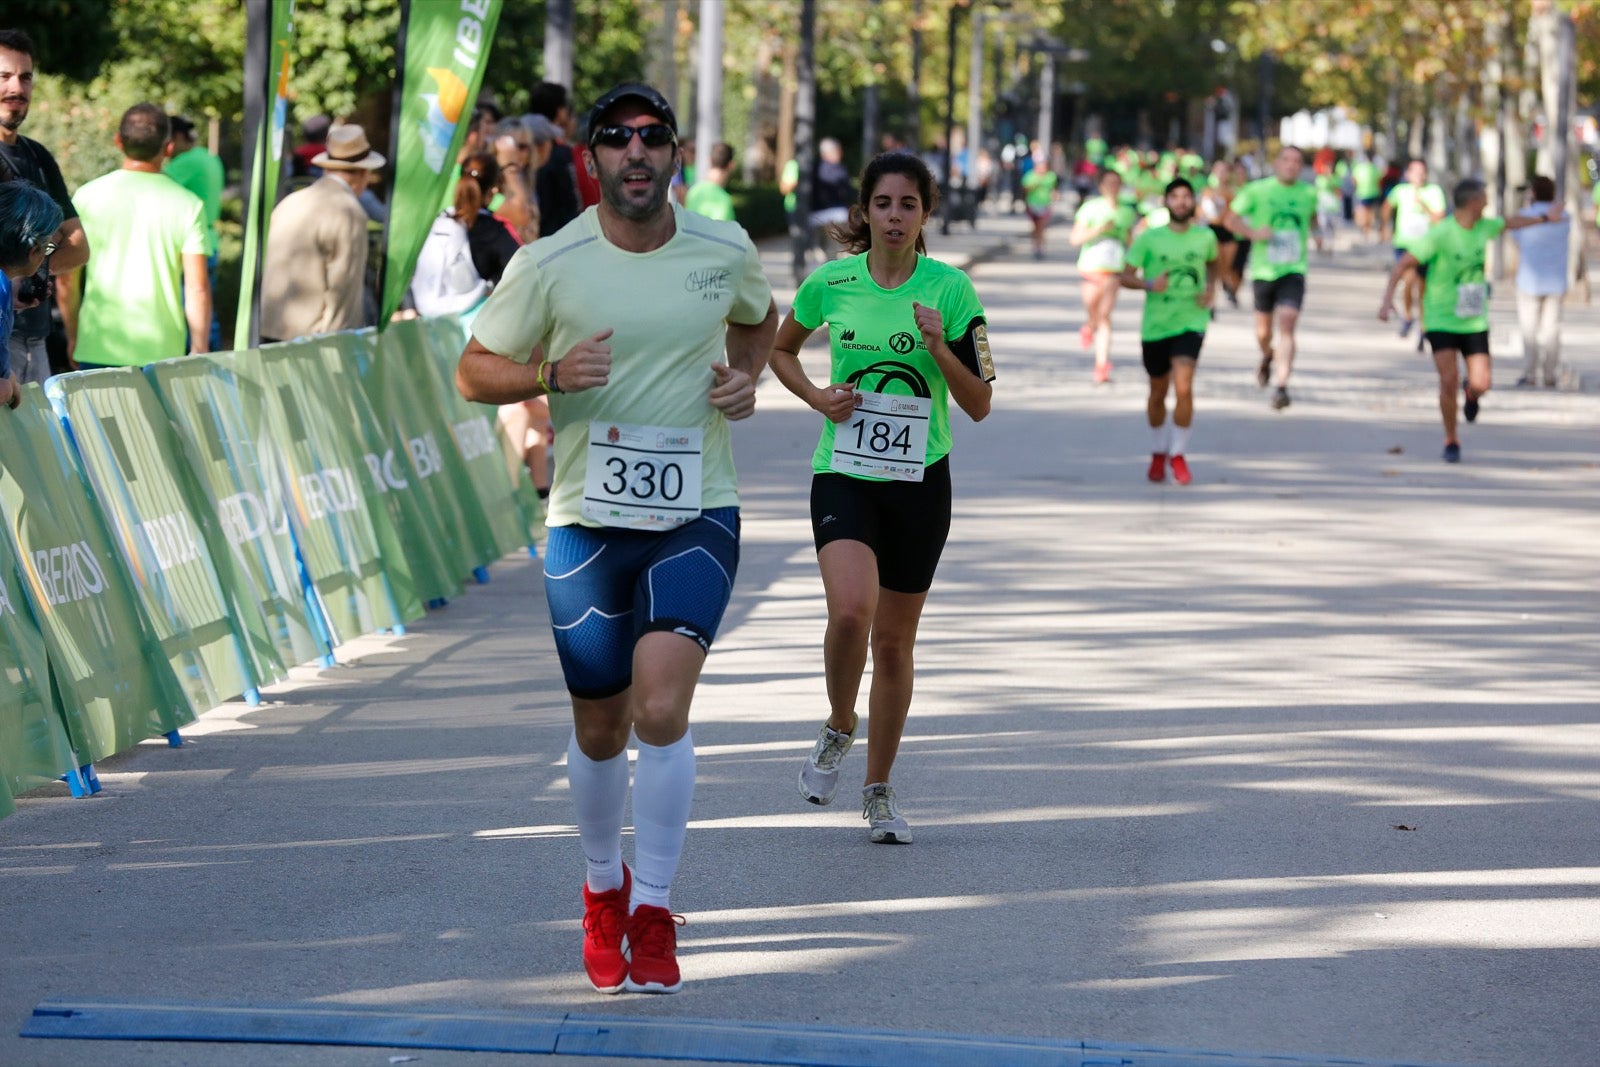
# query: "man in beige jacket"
x,y
316,261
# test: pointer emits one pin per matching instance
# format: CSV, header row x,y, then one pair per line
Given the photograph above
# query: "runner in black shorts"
x,y
907,335
1288,291
1455,311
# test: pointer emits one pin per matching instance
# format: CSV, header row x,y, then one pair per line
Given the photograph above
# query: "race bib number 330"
x,y
885,437
642,477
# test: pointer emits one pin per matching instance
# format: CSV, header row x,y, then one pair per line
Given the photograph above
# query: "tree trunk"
x,y
661,66
708,113
913,93
1489,141
758,163
805,134
789,83
558,42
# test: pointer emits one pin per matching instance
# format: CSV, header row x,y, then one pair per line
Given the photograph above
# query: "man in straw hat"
x,y
316,262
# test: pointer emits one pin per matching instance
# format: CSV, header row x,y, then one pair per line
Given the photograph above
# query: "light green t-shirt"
x,y
1456,299
1039,187
1412,205
669,308
1105,253
200,172
876,346
1369,183
1182,257
140,226
1287,210
709,199
791,173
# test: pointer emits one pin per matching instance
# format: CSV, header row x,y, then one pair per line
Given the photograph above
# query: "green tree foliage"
x,y
72,38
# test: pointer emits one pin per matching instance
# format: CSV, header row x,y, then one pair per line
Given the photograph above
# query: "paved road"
x,y
1301,758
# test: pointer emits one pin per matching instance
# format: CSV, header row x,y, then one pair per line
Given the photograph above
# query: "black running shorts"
x,y
1468,344
1287,291
904,523
1158,355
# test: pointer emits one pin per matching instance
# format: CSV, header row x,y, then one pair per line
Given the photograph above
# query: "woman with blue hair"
x,y
28,220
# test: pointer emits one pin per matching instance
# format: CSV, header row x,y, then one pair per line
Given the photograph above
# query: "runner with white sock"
x,y
663,321
1179,266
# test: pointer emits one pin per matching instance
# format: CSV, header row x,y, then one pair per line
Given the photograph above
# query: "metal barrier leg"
x,y
77,783
91,779
252,696
174,740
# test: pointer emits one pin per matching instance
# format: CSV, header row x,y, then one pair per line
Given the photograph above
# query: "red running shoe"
x,y
1180,470
653,950
1102,372
605,921
1158,467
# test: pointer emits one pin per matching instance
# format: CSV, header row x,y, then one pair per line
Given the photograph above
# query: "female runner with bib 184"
x,y
907,333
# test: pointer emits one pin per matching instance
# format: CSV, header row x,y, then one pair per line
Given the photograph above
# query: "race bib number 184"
x,y
642,477
886,437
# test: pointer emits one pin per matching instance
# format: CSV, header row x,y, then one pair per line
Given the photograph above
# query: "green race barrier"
x,y
139,472
467,441
323,466
33,739
392,479
516,514
223,422
115,683
405,398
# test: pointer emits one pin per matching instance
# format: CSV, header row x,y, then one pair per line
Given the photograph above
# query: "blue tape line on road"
x,y
694,1040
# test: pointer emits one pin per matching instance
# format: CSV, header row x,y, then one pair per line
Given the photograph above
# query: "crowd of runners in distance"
x,y
1176,228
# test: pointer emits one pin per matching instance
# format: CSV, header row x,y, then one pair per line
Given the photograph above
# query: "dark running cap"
x,y
637,91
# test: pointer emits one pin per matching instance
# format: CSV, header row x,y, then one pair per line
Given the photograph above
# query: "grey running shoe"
x,y
883,817
819,778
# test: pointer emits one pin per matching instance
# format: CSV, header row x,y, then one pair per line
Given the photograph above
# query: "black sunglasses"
x,y
656,135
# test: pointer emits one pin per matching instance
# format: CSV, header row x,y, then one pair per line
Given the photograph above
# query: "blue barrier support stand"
x,y
533,551
398,631
91,779
329,661
76,783
437,603
481,575
174,740
252,696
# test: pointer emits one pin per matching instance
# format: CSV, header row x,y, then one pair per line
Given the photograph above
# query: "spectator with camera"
x,y
28,222
26,159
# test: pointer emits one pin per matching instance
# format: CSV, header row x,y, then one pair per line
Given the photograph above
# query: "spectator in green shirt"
x,y
709,195
200,172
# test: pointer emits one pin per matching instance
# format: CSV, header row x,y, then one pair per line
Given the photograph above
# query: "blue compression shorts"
x,y
607,587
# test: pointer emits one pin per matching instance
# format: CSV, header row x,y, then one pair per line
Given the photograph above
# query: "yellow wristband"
x,y
547,384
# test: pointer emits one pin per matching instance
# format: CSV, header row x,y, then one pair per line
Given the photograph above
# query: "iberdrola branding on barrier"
x,y
116,683
392,485
67,574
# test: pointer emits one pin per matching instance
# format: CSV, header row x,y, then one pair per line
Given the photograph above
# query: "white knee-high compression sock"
x,y
1180,439
663,788
599,799
1159,440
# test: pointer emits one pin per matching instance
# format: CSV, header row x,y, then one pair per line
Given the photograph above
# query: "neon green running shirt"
x,y
872,333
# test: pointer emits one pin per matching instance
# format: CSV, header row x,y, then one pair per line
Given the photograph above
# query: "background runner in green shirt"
x,y
1038,194
1275,214
1178,262
1455,315
1409,211
904,331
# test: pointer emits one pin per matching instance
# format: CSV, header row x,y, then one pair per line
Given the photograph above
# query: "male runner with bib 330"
x,y
640,298
907,334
